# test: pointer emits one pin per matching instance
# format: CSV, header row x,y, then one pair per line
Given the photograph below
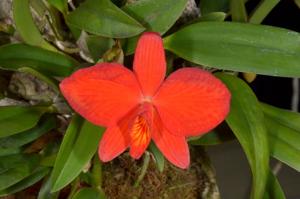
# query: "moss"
x,y
198,181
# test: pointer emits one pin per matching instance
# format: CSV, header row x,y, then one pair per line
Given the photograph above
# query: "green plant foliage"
x,y
98,45
9,151
61,5
36,175
212,138
284,134
15,56
26,27
259,49
262,10
156,15
45,190
20,139
213,16
208,6
273,189
15,119
103,18
247,123
286,117
15,168
79,145
160,160
89,193
238,11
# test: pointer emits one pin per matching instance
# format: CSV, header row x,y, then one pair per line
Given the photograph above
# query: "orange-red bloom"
x,y
139,106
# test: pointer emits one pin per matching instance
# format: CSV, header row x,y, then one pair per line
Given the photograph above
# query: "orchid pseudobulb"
x,y
141,105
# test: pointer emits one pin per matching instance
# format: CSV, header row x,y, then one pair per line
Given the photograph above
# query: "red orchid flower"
x,y
139,106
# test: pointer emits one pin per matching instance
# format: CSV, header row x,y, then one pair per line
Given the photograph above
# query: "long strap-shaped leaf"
x,y
247,123
239,47
284,134
79,145
26,27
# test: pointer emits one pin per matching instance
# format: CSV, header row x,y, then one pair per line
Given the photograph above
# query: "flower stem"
x,y
144,169
97,174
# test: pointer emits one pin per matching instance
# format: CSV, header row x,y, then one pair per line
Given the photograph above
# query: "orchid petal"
x,y
174,148
191,102
149,62
102,93
113,143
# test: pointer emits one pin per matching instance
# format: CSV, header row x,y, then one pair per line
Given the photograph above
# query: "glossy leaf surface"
x,y
103,18
273,190
247,123
61,5
284,134
159,158
241,47
26,27
208,6
15,119
156,15
79,145
37,175
15,168
15,56
27,136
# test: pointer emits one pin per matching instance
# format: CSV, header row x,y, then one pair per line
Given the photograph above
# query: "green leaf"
x,y
15,119
26,27
246,120
79,145
15,56
53,17
89,193
15,168
241,47
129,45
156,15
212,138
284,117
103,18
284,135
30,135
262,10
238,11
208,6
98,45
45,190
36,176
9,151
159,158
214,16
61,5
273,189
